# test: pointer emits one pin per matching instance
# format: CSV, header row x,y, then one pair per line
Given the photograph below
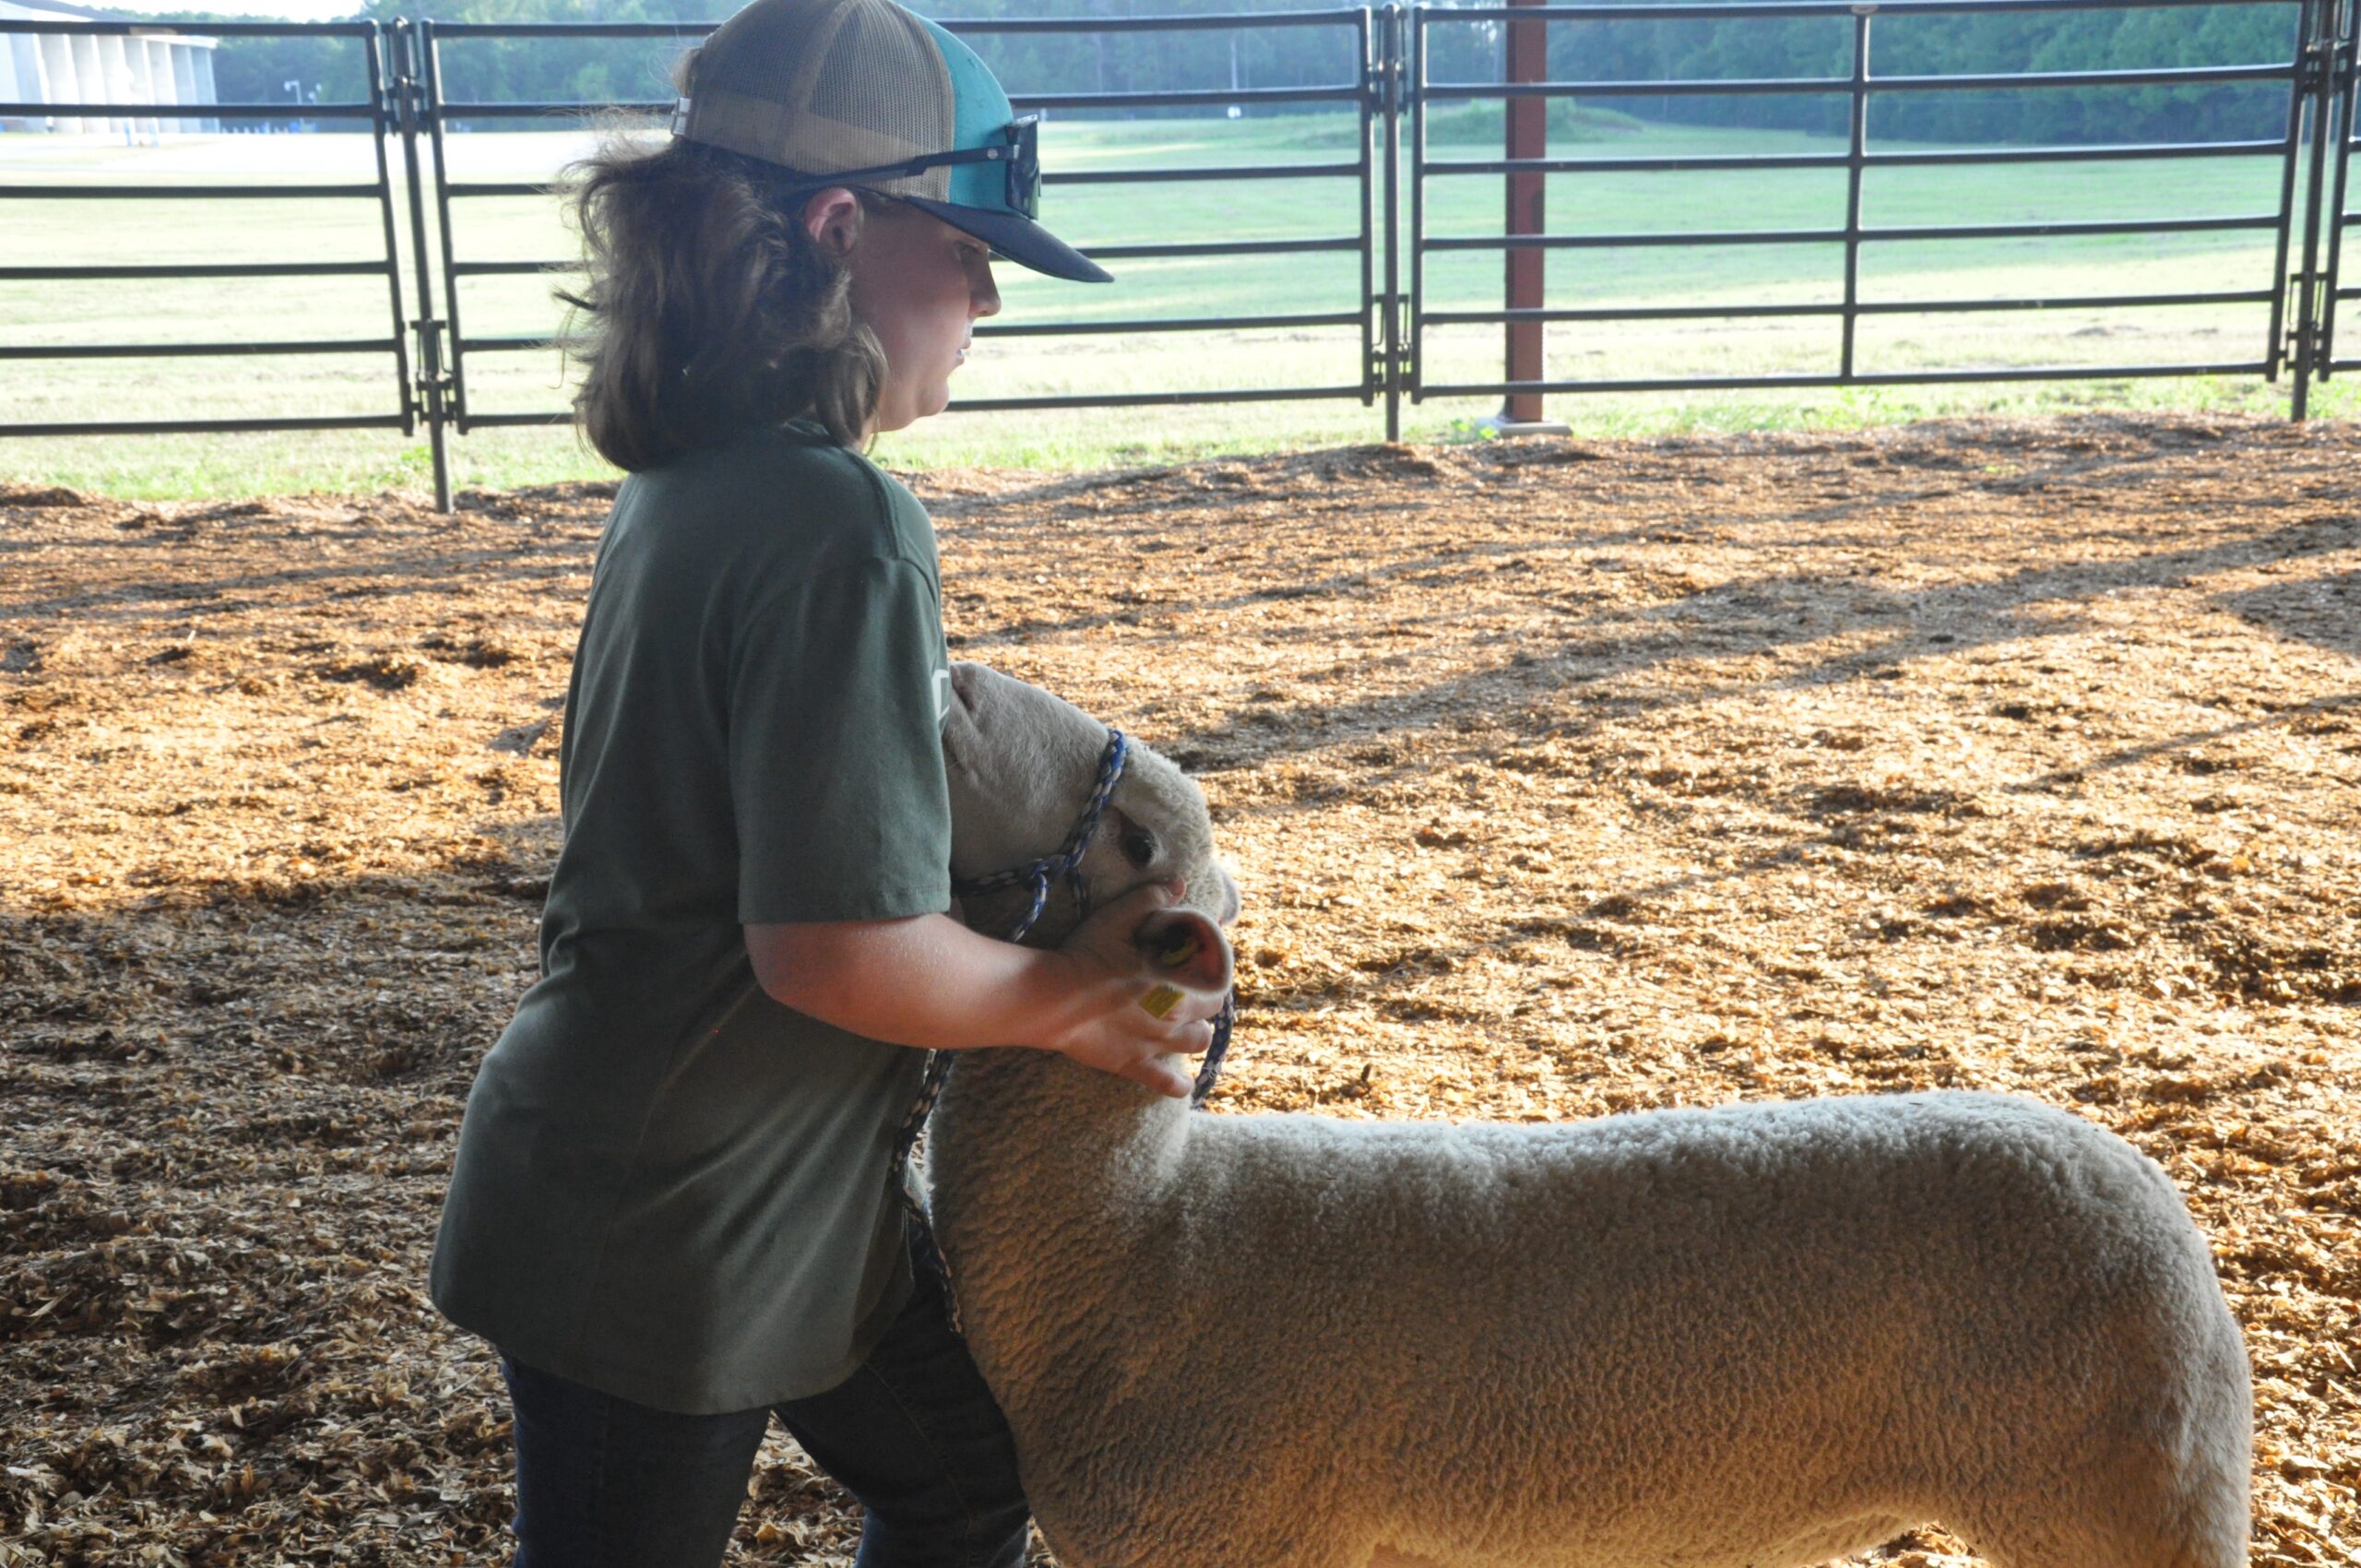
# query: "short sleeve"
x,y
836,749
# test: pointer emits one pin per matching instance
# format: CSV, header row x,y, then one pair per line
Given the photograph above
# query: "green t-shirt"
x,y
668,1186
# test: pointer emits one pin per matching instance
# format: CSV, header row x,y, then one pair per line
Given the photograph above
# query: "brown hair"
x,y
710,310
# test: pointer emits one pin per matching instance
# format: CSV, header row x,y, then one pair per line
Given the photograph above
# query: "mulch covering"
x,y
1562,778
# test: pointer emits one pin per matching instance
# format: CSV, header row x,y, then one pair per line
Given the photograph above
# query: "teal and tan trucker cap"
x,y
865,92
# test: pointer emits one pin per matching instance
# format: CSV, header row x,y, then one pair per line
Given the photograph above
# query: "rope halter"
x,y
1065,862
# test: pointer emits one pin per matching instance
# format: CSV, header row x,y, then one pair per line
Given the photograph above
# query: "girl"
x,y
671,1209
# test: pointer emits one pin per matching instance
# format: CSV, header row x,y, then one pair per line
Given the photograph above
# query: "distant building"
x,y
141,73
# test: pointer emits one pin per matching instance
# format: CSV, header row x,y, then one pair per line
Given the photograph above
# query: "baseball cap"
x,y
865,92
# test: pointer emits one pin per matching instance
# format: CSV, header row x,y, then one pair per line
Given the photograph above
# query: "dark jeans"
x,y
913,1434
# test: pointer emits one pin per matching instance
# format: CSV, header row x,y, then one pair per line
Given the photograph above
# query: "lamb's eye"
x,y
1139,847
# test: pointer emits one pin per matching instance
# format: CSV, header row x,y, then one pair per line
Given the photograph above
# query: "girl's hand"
x,y
1103,1023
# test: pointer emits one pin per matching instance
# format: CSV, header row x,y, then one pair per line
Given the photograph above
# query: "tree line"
x,y
1639,49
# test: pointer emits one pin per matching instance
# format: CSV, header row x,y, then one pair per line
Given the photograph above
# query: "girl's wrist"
x,y
1052,986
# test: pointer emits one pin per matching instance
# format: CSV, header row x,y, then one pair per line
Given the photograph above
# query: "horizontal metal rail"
x,y
1221,173
573,30
195,350
11,191
1220,248
1206,23
1746,10
1212,98
499,421
97,29
1683,162
510,268
1788,87
2062,228
1838,308
1805,381
580,109
38,111
459,189
1060,400
1170,323
210,427
508,343
1348,92
201,269
513,342
1156,399
1107,252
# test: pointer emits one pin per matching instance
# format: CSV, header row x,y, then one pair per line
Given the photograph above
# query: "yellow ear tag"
x,y
1161,1001
1181,951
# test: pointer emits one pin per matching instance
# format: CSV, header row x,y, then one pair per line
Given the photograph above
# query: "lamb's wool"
x,y
1742,1337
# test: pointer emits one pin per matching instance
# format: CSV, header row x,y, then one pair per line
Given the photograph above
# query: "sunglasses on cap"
x,y
1021,155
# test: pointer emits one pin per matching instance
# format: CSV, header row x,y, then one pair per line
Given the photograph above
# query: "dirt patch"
x,y
1562,778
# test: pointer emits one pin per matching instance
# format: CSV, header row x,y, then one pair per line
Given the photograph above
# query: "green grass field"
x,y
501,228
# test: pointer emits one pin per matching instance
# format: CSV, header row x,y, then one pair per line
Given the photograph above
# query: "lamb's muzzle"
x,y
1752,1336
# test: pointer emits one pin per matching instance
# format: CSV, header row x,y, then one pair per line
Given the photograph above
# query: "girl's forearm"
x,y
926,980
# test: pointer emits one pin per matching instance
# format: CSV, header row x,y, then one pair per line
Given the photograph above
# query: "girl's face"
x,y
918,284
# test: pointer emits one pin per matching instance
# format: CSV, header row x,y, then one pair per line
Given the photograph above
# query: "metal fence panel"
x,y
430,352
2312,103
374,109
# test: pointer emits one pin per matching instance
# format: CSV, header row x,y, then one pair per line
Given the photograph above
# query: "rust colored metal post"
x,y
1528,136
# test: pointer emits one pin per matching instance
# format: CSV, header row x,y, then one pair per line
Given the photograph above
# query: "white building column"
x,y
57,72
32,80
138,86
206,93
163,90
116,89
183,82
91,80
13,88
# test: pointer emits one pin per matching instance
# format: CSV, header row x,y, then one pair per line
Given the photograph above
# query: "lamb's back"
x,y
1633,1311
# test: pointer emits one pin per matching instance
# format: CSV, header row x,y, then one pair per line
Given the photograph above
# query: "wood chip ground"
x,y
1562,778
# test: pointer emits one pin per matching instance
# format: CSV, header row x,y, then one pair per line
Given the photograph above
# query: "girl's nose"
x,y
983,296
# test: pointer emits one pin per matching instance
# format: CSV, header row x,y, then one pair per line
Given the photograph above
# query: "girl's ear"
x,y
833,220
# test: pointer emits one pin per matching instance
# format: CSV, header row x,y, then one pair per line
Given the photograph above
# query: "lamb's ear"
x,y
1186,948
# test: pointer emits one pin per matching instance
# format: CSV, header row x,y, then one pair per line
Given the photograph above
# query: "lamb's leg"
x,y
2134,1508
2064,1543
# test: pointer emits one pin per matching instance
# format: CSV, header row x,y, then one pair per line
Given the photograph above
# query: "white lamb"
x,y
1754,1337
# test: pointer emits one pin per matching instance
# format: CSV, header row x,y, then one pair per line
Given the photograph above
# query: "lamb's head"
x,y
1023,766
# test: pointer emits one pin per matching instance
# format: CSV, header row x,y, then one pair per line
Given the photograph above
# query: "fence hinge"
x,y
2306,337
433,387
396,105
2317,66
1382,86
1389,372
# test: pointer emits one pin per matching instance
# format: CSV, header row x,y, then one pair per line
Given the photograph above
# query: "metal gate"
x,y
404,413
2293,309
1382,65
